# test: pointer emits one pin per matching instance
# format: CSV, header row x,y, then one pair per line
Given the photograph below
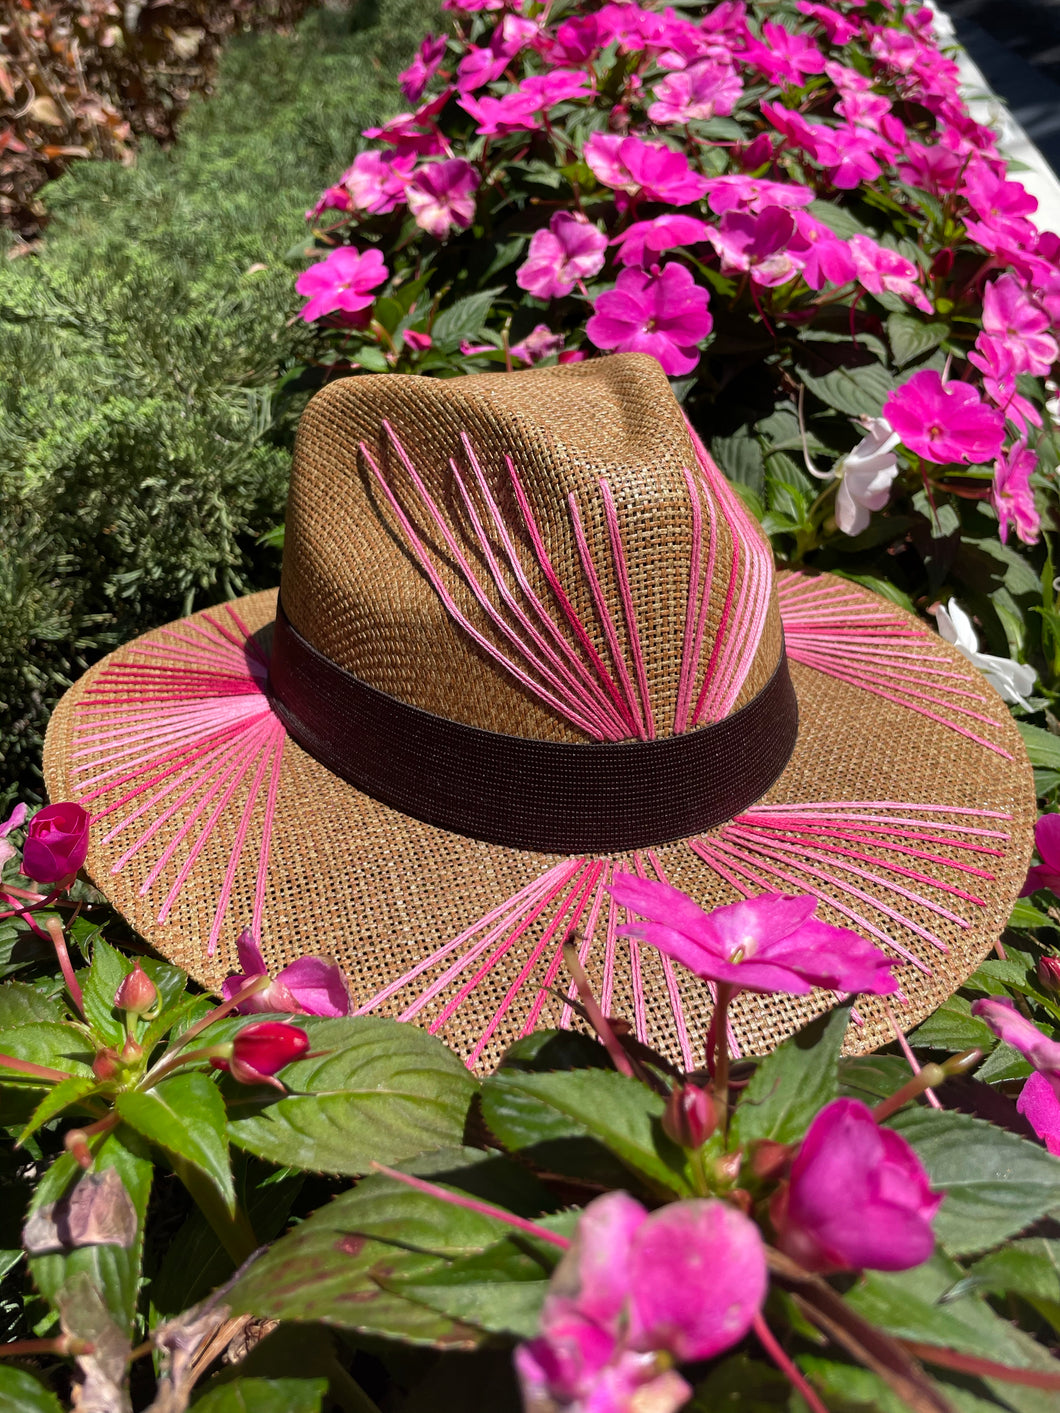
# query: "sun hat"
x,y
527,634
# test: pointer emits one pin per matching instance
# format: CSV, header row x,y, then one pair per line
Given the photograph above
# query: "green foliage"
x,y
143,448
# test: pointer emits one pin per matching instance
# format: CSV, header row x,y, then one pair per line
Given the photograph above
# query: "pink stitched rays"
x,y
836,851
179,738
607,702
838,631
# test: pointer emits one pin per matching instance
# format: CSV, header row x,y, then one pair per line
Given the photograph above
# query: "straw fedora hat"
x,y
526,634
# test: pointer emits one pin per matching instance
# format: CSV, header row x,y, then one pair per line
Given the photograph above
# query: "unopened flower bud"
x,y
1049,974
690,1116
137,993
259,1051
105,1065
942,263
131,1052
769,1158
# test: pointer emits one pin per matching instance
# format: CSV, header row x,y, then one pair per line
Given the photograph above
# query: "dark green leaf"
x,y
370,357
995,1183
839,219
61,1096
859,390
185,1116
542,1114
790,1085
21,1005
1002,1064
59,1047
381,1091
910,336
264,1396
1027,917
953,1027
871,1078
99,986
463,319
113,1270
1029,1268
1042,746
500,1289
555,1050
20,1392
740,457
740,1384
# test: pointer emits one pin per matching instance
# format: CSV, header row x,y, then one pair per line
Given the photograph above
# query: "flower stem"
x,y
55,931
785,1365
597,1019
930,1077
27,1067
250,988
720,1026
485,1209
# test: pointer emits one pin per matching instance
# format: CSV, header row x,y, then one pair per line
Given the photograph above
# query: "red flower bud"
x,y
258,1051
137,992
1049,974
105,1065
942,264
690,1116
769,1158
56,843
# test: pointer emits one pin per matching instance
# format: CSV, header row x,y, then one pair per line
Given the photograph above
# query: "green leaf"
x,y
995,1183
859,389
185,1116
740,1384
99,986
910,337
839,219
463,320
59,1047
113,1270
871,1078
1003,1063
555,1050
381,1091
330,1267
20,1392
22,1005
740,457
63,1095
1029,1268
549,1116
1027,917
264,1396
790,1085
953,1027
500,1290
1042,746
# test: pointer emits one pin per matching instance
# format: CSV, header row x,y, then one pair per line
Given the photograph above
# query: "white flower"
x,y
1012,679
867,473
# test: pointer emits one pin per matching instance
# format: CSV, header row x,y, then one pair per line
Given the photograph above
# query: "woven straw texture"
x,y
908,811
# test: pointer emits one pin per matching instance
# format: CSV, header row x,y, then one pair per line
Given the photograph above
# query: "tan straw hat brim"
x,y
910,819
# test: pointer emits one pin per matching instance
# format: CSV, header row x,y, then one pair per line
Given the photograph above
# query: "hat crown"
x,y
546,554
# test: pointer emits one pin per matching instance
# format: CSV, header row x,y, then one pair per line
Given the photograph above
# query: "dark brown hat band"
x,y
549,796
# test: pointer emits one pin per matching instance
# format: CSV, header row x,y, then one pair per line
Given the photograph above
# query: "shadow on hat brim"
x,y
910,831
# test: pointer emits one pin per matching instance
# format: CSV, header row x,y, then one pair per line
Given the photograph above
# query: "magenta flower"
x,y
56,842
539,344
260,1051
1010,316
417,76
1012,1026
342,280
442,195
1039,1105
741,193
837,27
334,198
769,943
934,168
858,1198
376,183
497,116
313,986
546,90
784,57
411,134
825,258
686,1281
881,269
1047,842
640,243
1002,206
663,313
704,90
417,340
944,422
995,361
15,820
646,169
760,244
1012,496
571,249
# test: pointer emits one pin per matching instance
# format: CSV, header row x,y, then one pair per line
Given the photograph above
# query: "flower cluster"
x,y
623,172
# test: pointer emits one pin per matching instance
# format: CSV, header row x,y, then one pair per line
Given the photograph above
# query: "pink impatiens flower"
x,y
341,281
571,249
944,422
314,986
1039,1105
640,243
663,313
784,57
858,1198
769,943
760,243
703,90
376,183
539,344
1012,317
649,170
15,820
442,195
881,269
1012,496
686,1281
1010,1025
417,76
1047,842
